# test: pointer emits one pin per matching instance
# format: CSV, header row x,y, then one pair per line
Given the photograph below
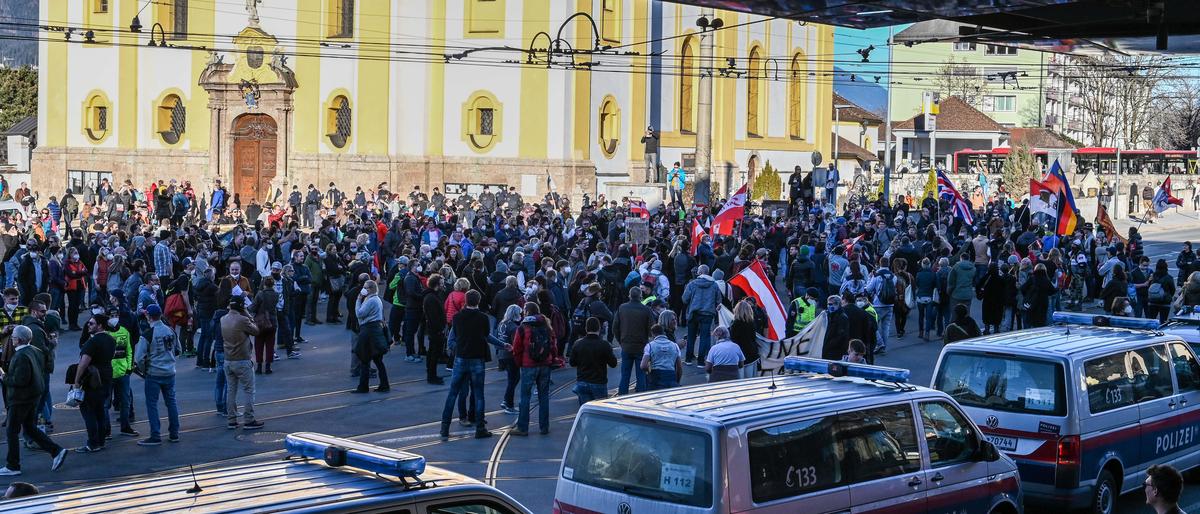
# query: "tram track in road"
x,y
493,462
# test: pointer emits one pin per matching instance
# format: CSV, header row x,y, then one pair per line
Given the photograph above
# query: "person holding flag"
x,y
734,210
1163,199
958,204
1068,214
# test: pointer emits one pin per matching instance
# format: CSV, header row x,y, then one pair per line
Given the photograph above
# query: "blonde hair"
x,y
462,284
743,311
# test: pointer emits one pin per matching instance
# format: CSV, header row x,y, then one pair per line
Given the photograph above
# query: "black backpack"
x,y
539,342
580,315
887,290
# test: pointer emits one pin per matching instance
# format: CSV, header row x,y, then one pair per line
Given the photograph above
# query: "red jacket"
x,y
454,303
523,337
75,273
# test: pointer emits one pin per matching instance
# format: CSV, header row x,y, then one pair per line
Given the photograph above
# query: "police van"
x,y
1084,408
1185,324
834,438
320,474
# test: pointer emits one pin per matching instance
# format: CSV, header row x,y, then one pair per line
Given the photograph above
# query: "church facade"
x,y
456,94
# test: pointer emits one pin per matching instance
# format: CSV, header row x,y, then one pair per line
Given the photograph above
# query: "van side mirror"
x,y
986,452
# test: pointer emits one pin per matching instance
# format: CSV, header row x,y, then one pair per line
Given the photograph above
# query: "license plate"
x,y
1002,443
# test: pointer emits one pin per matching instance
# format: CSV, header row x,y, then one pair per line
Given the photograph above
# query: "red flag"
x,y
734,209
755,283
698,234
638,208
1163,199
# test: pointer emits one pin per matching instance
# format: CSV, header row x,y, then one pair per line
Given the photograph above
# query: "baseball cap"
x,y
276,266
153,310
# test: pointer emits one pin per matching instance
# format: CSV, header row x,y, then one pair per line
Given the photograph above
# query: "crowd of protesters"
x,y
167,279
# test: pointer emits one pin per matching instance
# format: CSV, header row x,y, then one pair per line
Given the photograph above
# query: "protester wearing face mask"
x,y
837,330
234,284
76,287
33,273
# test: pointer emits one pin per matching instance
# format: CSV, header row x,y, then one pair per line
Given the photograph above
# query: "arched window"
x,y
481,122
753,84
687,96
341,18
797,93
338,121
172,119
610,126
96,110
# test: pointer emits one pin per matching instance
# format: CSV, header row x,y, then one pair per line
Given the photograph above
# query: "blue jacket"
x,y
303,278
702,295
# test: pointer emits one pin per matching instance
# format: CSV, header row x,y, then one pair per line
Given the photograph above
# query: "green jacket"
x,y
25,381
396,286
41,341
123,353
317,272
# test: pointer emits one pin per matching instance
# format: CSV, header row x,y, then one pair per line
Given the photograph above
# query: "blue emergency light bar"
x,y
338,452
845,369
1077,318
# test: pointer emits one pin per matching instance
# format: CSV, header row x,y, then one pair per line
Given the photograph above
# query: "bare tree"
x,y
960,79
1095,97
1176,123
1136,84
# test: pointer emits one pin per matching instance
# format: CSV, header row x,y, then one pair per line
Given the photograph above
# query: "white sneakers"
x,y
5,472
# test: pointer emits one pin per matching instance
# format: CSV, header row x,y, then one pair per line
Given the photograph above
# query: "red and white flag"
x,y
638,208
698,234
734,209
756,285
1163,199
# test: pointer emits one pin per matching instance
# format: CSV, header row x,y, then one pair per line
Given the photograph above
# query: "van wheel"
x,y
1104,496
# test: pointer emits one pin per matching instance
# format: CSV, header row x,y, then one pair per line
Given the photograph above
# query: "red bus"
x,y
991,161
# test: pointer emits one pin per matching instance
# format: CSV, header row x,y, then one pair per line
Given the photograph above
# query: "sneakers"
x,y
360,391
689,361
173,439
518,432
293,355
465,422
411,358
88,449
253,425
482,434
233,425
58,460
508,409
5,472
150,441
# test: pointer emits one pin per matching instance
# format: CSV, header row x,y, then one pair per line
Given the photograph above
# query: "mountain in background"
x,y
862,91
18,45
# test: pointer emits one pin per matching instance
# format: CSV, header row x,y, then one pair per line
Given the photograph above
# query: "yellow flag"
x,y
931,185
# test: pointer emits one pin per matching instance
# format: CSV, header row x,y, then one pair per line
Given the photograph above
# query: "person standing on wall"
x,y
650,142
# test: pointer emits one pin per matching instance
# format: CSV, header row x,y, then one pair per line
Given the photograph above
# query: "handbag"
x,y
74,397
265,319
909,300
937,296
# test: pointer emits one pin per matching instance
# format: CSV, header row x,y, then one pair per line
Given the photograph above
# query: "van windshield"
x,y
1003,383
642,458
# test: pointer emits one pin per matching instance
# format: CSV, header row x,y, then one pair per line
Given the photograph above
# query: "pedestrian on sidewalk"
x,y
23,388
470,327
236,331
535,351
156,354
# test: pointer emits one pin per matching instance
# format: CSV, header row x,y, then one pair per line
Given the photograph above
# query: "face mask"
x,y
270,247
321,254
234,274
74,258
1128,310
834,308
566,270
11,306
97,311
157,287
861,304
112,322
353,249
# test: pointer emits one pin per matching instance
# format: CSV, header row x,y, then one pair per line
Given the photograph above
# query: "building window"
x,y
753,85
482,121
610,20
797,93
77,180
338,121
610,126
95,117
1006,103
100,6
1000,50
964,47
173,16
484,19
687,97
341,18
172,119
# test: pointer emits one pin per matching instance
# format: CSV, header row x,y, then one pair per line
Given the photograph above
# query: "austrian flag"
x,y
734,209
756,285
698,234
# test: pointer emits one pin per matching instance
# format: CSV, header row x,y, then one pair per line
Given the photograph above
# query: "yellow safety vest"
x,y
807,311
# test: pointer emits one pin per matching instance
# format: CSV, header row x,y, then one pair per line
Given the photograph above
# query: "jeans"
x,y
219,392
587,391
239,375
467,378
631,363
122,396
22,417
539,376
885,323
283,332
204,350
662,379
95,418
513,373
310,310
412,320
46,409
699,323
928,316
296,317
166,386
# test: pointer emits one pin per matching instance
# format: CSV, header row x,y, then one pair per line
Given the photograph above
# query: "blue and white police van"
x,y
1084,407
322,474
832,437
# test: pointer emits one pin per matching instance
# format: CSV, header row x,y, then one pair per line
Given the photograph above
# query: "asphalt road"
x,y
312,394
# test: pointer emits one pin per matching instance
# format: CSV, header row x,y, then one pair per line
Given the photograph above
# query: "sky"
x,y
862,89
